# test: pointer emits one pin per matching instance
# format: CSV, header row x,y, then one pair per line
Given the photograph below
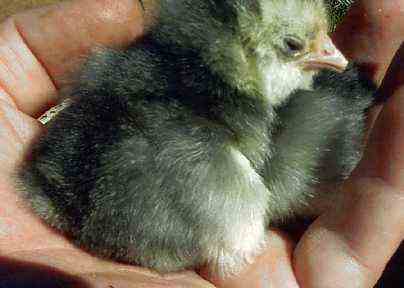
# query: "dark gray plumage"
x,y
182,149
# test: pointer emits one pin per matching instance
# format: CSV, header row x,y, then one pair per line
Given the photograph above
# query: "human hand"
x,y
59,37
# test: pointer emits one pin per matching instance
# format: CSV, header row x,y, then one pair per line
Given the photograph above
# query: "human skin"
x,y
348,246
14,6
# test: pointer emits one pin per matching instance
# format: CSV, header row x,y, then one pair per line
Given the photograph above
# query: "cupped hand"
x,y
345,247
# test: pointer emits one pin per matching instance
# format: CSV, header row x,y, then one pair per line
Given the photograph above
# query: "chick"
x,y
181,150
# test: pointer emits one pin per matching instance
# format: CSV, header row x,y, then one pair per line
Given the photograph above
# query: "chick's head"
x,y
275,47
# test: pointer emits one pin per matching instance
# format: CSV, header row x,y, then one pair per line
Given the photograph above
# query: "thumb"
x,y
17,130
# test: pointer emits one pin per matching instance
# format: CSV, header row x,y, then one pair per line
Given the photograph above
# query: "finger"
x,y
384,157
349,247
21,74
24,127
40,46
137,279
16,132
371,33
273,268
10,144
393,79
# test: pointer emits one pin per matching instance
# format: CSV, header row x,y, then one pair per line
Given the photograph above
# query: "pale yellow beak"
x,y
324,55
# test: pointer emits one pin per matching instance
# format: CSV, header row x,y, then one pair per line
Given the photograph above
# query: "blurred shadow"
x,y
393,276
394,75
18,274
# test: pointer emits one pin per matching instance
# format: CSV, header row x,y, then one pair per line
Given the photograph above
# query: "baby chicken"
x,y
181,150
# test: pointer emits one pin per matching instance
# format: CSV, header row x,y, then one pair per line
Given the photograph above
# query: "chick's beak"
x,y
324,55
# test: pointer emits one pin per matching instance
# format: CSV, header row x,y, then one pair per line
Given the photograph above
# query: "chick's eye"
x,y
293,46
